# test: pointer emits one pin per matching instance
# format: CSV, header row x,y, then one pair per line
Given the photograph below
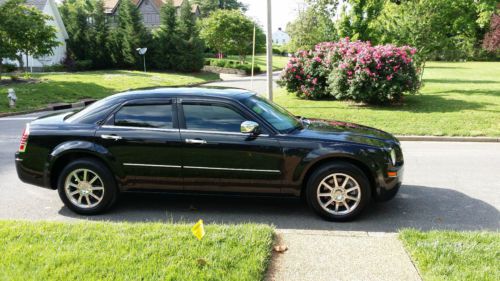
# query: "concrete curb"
x,y
448,139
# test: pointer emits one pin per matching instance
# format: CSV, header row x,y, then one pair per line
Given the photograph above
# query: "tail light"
x,y
24,139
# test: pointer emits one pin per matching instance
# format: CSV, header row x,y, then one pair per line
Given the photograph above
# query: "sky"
x,y
283,11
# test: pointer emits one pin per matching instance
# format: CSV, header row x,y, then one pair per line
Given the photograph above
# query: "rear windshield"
x,y
93,113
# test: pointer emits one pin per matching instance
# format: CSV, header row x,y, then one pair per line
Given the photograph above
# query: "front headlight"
x,y
392,154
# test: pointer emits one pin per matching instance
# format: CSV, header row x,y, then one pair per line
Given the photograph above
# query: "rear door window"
x,y
146,116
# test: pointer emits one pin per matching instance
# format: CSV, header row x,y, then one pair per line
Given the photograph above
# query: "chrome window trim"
x,y
232,169
139,128
220,132
151,165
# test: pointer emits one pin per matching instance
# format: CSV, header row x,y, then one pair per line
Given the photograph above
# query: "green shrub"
x,y
83,65
54,68
8,67
248,68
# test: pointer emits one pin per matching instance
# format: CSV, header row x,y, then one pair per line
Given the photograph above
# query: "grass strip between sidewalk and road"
x,y
72,87
132,251
451,255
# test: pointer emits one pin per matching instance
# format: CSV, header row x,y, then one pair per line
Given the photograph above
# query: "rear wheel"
x,y
87,187
338,191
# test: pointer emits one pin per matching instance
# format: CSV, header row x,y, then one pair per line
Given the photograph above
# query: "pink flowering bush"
x,y
353,71
306,74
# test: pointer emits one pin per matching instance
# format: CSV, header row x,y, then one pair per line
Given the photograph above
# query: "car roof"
x,y
214,92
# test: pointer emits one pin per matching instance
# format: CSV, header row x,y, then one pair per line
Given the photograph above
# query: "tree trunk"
x,y
20,60
242,58
422,68
1,61
27,62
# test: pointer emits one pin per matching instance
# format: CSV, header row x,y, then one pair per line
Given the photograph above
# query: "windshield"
x,y
277,116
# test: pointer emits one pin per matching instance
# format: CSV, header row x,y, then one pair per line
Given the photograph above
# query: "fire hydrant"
x,y
12,98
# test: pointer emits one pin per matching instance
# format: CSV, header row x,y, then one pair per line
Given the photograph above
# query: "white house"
x,y
280,37
48,7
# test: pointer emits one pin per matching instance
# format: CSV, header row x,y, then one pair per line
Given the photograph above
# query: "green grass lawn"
x,y
458,99
279,62
449,255
71,87
124,251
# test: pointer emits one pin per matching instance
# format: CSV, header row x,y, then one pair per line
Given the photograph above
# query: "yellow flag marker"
x,y
198,230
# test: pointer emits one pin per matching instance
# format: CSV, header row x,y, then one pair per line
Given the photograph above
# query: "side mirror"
x,y
249,127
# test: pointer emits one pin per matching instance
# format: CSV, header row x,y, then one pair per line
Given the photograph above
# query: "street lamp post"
x,y
269,42
142,52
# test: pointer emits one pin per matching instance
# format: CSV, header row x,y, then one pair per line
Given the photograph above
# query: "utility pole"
x,y
269,41
253,57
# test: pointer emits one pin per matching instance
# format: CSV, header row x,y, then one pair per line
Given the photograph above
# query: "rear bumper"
x,y
28,175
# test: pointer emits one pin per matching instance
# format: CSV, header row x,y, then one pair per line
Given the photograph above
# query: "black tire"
x,y
363,194
109,188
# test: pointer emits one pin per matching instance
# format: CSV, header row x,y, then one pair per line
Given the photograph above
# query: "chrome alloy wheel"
x,y
339,194
84,188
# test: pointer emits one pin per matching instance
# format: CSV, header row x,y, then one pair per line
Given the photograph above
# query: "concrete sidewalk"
x,y
337,255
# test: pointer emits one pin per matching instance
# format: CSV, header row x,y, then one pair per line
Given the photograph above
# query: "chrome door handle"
x,y
111,137
196,141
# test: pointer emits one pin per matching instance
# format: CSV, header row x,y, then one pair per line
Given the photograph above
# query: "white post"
x,y
253,58
269,41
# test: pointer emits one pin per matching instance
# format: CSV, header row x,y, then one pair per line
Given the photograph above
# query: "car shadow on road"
x,y
419,207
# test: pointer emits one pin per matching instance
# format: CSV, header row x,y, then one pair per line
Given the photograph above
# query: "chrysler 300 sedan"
x,y
207,140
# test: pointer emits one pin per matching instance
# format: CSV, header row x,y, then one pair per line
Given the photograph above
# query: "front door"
x,y
144,139
218,157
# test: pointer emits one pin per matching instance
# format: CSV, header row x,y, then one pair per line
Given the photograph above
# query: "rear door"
x,y
218,157
143,137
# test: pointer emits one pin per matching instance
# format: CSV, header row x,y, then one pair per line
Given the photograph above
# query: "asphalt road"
x,y
446,186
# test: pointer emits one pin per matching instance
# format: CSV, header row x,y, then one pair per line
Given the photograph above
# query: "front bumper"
x,y
388,183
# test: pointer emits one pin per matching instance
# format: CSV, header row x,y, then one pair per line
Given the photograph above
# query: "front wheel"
x,y
338,191
86,187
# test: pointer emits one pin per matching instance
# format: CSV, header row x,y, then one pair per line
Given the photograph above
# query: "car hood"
x,y
344,131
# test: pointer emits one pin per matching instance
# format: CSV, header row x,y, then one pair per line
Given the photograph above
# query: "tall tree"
x,y
100,33
76,15
491,40
314,24
439,29
230,31
165,38
7,45
191,50
355,22
209,6
27,30
128,35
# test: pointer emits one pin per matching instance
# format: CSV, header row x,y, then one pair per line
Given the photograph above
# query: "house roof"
x,y
110,5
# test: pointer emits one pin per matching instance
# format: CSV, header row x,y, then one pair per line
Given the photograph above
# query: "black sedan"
x,y
207,140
